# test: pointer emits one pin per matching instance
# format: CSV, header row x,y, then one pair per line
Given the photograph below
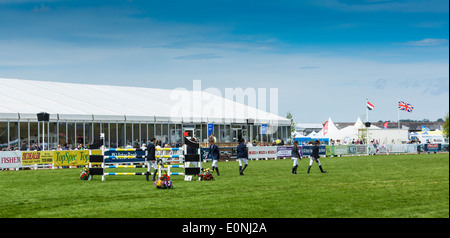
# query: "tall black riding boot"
x,y
154,174
217,170
309,168
321,170
147,174
295,169
242,171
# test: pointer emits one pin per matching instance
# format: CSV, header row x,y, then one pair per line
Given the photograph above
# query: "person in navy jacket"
x,y
151,159
242,155
214,155
295,156
315,157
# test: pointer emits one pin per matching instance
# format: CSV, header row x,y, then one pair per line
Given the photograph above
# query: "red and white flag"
x,y
370,106
325,128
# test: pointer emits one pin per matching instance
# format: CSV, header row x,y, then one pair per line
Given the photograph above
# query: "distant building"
x,y
304,129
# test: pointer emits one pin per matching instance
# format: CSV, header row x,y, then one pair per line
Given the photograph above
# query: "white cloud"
x,y
199,56
390,6
427,42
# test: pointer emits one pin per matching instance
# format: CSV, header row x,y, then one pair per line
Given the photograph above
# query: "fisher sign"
x,y
11,159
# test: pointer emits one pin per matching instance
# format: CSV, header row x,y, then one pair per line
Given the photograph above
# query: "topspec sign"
x,y
11,159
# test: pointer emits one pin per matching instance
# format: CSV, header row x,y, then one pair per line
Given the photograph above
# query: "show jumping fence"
x,y
164,155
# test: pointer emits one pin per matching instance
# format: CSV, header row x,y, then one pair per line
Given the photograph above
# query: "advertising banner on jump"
x,y
126,153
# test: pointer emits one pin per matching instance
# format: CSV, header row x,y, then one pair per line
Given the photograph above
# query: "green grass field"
x,y
395,186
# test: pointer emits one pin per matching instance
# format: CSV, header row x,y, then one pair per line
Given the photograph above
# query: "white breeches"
x,y
311,160
151,164
295,159
214,163
242,160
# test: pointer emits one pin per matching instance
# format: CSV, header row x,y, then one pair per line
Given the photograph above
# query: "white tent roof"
x,y
25,98
347,132
358,124
332,130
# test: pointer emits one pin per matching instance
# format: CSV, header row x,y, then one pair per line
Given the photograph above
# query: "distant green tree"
x,y
446,126
289,116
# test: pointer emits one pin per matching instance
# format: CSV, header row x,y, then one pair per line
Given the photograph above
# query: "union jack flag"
x,y
403,106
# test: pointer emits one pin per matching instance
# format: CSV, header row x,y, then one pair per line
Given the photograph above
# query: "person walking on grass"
x,y
151,159
242,155
295,156
315,157
213,154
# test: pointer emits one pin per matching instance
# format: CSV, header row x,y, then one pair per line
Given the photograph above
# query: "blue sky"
x,y
324,56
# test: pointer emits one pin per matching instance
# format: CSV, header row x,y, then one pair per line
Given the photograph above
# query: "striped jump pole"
x,y
168,156
176,166
125,166
139,156
170,149
129,149
167,168
124,173
130,174
124,157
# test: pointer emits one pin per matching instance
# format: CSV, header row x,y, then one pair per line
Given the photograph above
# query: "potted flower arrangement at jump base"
x,y
164,182
206,175
85,174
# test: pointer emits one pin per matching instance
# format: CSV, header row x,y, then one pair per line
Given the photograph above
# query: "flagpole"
x,y
398,118
367,128
367,111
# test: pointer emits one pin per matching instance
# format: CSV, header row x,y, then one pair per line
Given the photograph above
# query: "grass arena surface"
x,y
382,186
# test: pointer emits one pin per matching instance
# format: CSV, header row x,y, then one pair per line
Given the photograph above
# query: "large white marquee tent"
x,y
25,98
79,113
